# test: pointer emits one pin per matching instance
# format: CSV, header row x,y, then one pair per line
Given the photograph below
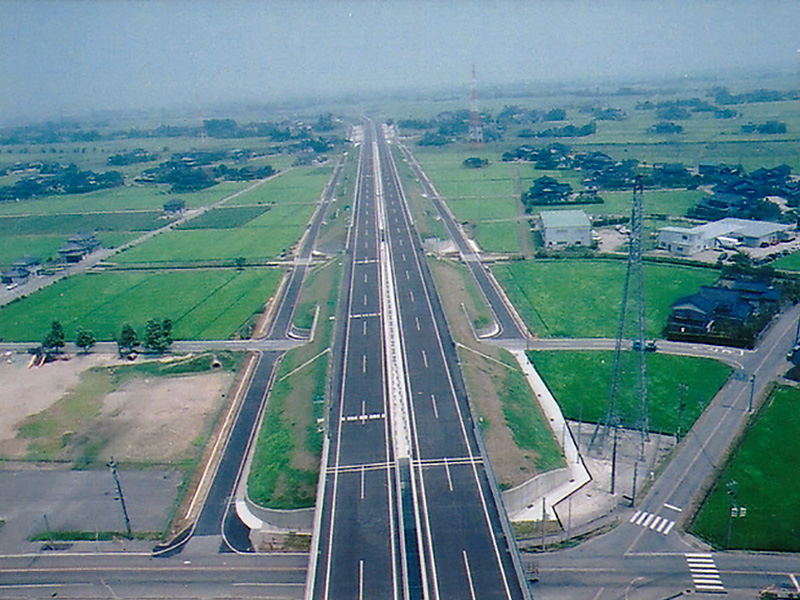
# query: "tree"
x,y
54,340
158,335
84,339
166,326
127,340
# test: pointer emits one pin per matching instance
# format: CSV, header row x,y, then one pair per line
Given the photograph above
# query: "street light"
x,y
731,485
752,392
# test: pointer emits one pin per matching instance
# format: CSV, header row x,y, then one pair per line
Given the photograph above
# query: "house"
x,y
78,246
21,270
174,206
725,233
730,311
561,228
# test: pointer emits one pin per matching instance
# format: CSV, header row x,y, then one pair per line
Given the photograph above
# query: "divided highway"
x,y
408,509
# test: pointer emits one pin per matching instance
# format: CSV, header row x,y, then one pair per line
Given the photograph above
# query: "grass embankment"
x,y
518,439
764,469
581,298
285,466
202,303
71,429
580,382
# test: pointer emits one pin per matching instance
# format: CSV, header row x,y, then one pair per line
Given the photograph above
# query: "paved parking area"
x,y
82,501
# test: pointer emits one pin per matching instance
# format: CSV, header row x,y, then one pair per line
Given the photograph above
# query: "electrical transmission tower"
x,y
630,373
475,133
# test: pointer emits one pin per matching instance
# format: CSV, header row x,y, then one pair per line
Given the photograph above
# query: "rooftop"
x,y
564,218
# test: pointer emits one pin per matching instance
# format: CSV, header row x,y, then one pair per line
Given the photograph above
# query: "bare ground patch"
x,y
75,411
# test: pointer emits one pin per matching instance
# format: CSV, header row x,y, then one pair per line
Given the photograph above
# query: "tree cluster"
x,y
54,340
132,157
54,178
475,162
767,128
157,337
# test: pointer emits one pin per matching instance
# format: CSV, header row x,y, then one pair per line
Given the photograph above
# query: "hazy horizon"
x,y
64,58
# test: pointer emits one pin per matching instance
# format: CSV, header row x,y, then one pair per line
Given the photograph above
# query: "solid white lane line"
x,y
469,575
794,581
361,578
671,507
435,410
447,472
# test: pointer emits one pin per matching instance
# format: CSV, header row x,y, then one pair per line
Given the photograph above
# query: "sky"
x,y
72,57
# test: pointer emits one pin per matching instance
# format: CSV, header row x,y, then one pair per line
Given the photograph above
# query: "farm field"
x,y
761,478
296,186
120,199
580,383
202,303
581,298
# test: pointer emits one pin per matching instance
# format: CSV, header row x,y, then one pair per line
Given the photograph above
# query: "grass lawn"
x,y
202,303
672,203
581,298
580,382
764,467
285,466
788,263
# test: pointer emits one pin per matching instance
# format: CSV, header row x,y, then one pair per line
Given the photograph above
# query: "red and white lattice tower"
x,y
475,127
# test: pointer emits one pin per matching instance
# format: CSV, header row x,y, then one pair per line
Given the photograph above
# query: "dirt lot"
x,y
145,419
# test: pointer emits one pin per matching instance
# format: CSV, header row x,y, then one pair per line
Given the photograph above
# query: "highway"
x,y
408,509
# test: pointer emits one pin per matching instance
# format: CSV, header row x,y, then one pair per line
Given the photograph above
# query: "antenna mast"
x,y
475,127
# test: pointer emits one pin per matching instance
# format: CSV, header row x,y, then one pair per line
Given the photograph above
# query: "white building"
x,y
565,228
726,233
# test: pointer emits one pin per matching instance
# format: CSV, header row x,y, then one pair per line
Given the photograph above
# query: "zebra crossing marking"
x,y
704,572
652,521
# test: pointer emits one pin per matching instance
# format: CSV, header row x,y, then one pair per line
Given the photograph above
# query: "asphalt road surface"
x,y
408,510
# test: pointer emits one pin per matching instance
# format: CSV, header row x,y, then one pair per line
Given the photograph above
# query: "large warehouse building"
x,y
726,233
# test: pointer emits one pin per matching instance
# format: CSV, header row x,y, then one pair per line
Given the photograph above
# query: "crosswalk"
x,y
705,574
653,522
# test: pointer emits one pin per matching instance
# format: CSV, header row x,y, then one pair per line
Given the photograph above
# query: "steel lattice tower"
x,y
475,134
631,319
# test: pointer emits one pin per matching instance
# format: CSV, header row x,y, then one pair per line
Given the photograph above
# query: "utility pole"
x,y
752,392
544,516
614,460
732,494
633,491
113,466
681,407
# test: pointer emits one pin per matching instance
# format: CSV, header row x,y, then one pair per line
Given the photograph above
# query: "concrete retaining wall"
x,y
519,498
